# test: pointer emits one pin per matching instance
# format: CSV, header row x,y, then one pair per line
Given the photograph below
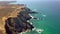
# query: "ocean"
x,y
50,23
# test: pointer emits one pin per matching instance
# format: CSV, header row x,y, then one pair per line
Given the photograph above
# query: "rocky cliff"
x,y
6,11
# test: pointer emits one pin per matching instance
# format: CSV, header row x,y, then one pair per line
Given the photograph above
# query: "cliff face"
x,y
7,11
19,23
19,11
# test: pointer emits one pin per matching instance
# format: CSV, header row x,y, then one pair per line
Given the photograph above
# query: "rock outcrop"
x,y
7,11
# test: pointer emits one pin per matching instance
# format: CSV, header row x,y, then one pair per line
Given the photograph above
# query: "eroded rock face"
x,y
18,24
7,11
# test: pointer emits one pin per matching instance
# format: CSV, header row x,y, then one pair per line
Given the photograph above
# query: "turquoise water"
x,y
51,23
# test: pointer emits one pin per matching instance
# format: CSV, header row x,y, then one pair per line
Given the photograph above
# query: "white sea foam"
x,y
20,33
34,29
39,30
31,16
34,9
28,21
44,15
31,23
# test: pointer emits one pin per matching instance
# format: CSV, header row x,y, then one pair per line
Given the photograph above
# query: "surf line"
x,y
38,30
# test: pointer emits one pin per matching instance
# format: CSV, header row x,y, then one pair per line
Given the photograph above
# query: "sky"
x,y
24,1
29,0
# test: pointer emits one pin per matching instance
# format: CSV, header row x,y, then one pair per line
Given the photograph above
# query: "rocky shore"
x,y
6,11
